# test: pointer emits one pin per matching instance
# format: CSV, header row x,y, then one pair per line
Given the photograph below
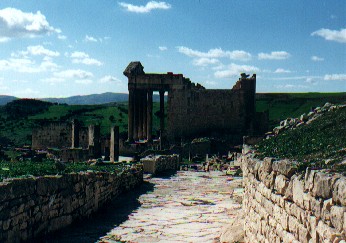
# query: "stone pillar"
x,y
136,117
130,115
140,114
145,114
162,112
150,116
94,133
114,144
75,134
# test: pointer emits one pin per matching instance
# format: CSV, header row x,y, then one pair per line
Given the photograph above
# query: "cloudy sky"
x,y
59,48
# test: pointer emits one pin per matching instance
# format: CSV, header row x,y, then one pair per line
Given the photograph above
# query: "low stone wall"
x,y
160,163
36,206
281,205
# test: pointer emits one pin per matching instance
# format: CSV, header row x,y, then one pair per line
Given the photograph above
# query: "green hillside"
x,y
321,143
17,130
16,127
284,105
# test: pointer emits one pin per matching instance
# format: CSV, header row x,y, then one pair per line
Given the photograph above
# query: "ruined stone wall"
x,y
36,206
281,205
160,163
57,135
194,112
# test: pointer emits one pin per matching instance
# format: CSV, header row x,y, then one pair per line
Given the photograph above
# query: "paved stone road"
x,y
187,207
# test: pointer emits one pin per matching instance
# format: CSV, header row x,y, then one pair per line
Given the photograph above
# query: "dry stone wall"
x,y
36,206
281,205
160,163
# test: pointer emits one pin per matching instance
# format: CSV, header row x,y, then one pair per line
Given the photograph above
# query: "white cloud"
x,y
74,74
211,83
235,70
84,81
317,59
90,39
41,51
291,86
62,37
331,35
295,78
25,92
335,77
274,55
147,8
163,48
239,55
83,58
109,79
281,70
203,61
25,65
53,80
17,24
215,53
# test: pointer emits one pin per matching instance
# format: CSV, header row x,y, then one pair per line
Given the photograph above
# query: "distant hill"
x,y
94,99
4,99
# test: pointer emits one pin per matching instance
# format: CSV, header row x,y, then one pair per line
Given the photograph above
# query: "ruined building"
x,y
192,110
75,142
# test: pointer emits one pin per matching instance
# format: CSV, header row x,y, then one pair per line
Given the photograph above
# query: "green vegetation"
x,y
321,144
16,127
284,105
28,168
18,117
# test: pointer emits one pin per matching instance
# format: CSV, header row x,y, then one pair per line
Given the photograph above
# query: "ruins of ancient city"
x,y
186,122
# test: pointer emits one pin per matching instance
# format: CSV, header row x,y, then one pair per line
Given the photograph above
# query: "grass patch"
x,y
28,168
322,143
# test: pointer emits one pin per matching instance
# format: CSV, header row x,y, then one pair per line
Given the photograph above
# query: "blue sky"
x,y
59,48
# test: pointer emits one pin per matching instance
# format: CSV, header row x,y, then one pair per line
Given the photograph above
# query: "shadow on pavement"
x,y
98,225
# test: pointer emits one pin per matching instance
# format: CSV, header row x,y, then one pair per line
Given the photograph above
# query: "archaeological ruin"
x,y
192,110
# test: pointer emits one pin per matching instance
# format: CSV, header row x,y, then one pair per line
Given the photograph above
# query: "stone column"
x,y
75,134
162,112
94,133
145,119
140,115
114,144
136,117
150,116
130,115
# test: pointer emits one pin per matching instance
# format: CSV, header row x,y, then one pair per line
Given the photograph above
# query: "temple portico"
x,y
192,110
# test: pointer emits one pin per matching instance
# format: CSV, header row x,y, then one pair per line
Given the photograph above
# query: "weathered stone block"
x,y
298,191
281,184
323,185
337,217
309,179
339,191
285,167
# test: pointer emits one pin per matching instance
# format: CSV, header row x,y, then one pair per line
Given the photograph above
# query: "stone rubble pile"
x,y
292,123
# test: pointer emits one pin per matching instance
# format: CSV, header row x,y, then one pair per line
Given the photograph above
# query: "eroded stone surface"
x,y
188,207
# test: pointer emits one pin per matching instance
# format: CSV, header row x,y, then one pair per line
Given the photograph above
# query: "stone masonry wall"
x,y
281,205
57,135
160,163
36,206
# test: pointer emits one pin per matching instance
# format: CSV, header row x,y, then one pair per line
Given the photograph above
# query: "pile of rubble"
x,y
292,123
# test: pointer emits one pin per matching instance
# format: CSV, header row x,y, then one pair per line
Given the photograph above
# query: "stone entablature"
x,y
281,205
33,207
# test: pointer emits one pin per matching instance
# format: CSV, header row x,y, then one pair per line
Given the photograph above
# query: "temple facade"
x,y
192,110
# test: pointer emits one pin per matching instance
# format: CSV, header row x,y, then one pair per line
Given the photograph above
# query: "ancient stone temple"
x,y
192,110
